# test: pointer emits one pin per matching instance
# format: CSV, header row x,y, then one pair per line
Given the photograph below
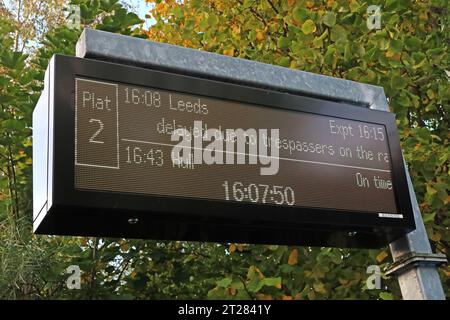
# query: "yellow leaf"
x,y
319,287
84,241
389,54
232,248
293,257
260,274
232,291
286,298
262,296
311,295
228,52
381,256
293,64
436,237
125,247
260,35
198,19
423,15
254,271
358,276
187,43
447,272
278,286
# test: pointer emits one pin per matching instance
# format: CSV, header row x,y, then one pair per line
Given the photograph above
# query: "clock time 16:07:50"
x,y
259,193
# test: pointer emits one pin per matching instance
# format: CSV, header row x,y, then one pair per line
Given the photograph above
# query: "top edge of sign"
x,y
101,45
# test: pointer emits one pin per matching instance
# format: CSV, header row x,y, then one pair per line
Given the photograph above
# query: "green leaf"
x,y
217,294
308,27
338,33
413,43
347,52
319,287
300,14
354,6
284,62
430,94
237,285
329,18
441,189
423,134
283,43
131,20
403,100
395,45
178,12
213,20
286,268
11,125
429,217
431,190
419,59
255,284
395,64
398,82
109,5
386,296
224,283
272,282
13,60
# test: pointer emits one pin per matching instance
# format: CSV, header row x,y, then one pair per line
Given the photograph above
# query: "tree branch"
x,y
285,31
255,13
245,288
273,7
117,282
14,179
16,40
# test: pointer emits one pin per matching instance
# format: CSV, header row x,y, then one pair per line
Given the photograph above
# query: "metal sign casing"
x,y
92,181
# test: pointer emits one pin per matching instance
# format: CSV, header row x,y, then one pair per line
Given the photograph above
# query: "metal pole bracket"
x,y
414,259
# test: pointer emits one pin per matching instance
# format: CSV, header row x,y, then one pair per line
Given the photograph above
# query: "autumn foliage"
x,y
408,57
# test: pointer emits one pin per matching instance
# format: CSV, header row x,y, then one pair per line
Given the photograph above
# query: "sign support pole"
x,y
415,265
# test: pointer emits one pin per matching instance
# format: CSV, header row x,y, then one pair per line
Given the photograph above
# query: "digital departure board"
x,y
144,153
123,144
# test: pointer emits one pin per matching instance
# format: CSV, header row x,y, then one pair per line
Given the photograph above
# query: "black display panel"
x,y
123,144
274,167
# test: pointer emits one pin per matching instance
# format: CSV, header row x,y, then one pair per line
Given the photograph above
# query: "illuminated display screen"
x,y
124,144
